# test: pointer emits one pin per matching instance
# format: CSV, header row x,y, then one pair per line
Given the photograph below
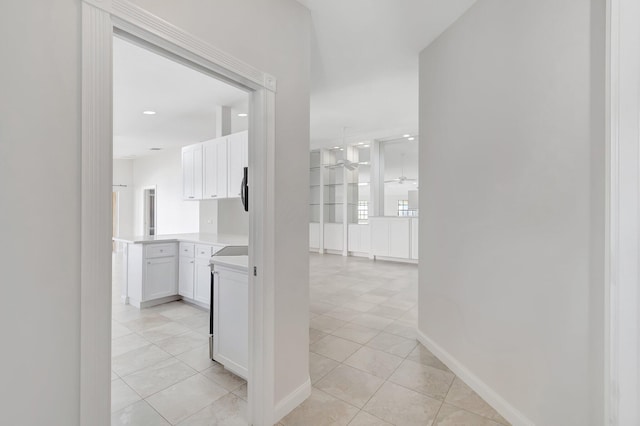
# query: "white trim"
x,y
505,409
100,19
291,401
622,296
95,258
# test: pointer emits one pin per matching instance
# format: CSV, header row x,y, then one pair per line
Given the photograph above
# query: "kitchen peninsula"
x,y
163,268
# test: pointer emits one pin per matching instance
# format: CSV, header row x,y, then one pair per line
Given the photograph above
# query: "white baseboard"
x,y
291,401
506,410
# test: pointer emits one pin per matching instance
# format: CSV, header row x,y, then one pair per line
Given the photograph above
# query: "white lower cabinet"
x,y
399,238
185,276
333,236
151,273
160,278
390,237
359,238
202,282
194,272
231,319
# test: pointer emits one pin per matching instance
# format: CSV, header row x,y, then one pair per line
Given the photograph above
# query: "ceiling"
x,y
184,100
364,64
364,77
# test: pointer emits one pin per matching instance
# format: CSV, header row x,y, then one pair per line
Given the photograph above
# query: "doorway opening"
x,y
149,218
180,333
143,28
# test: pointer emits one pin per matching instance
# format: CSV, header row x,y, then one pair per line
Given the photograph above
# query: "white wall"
x,y
40,161
123,175
225,217
511,176
273,36
209,216
40,193
232,219
173,214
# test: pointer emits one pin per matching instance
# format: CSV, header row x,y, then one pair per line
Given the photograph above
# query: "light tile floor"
x,y
161,371
366,366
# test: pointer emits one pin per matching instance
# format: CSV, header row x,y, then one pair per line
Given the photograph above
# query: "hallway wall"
x,y
512,204
40,124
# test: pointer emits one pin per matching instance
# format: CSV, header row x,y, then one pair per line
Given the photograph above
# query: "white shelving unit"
x,y
335,192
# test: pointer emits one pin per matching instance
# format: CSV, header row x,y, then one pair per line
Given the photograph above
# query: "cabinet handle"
x,y
192,197
191,261
214,196
148,262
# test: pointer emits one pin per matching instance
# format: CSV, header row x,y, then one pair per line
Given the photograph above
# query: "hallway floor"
x,y
367,369
366,366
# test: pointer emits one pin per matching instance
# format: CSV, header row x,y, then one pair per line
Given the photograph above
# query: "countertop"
x,y
220,239
241,263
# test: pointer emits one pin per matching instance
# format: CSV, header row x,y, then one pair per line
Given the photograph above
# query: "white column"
x,y
223,121
376,203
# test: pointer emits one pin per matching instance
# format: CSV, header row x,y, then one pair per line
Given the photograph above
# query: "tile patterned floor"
x,y
366,366
161,371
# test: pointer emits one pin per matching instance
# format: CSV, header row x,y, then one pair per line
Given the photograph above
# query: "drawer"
x,y
187,249
160,250
203,251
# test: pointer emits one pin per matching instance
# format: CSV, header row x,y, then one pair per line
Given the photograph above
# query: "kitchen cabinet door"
x,y
399,238
192,172
186,277
202,281
160,278
379,236
231,320
215,169
238,147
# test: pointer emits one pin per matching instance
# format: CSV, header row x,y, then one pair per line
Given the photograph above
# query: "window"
x,y
363,211
403,207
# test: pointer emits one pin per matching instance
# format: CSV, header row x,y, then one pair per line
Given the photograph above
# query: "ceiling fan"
x,y
347,164
402,178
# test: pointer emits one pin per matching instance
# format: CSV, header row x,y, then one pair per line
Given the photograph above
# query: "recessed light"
x,y
405,136
366,146
341,149
149,112
155,149
336,147
412,139
361,143
243,114
363,183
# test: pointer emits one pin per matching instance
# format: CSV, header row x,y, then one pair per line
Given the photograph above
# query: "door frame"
x,y
155,209
101,19
622,247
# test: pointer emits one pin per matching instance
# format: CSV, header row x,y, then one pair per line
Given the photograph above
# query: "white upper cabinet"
x,y
192,172
215,168
238,150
